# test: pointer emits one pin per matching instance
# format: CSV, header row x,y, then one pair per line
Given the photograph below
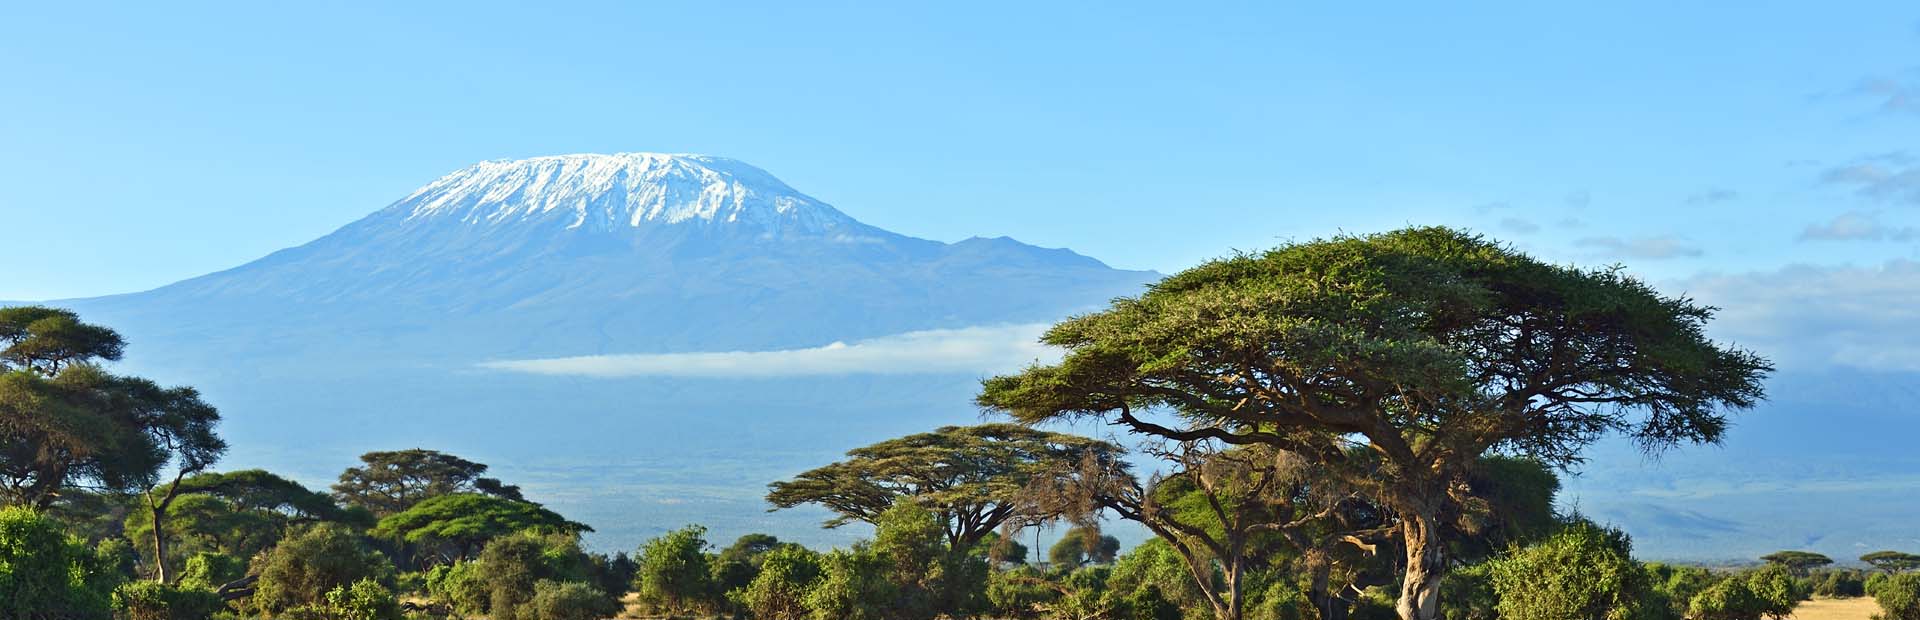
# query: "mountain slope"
x,y
602,253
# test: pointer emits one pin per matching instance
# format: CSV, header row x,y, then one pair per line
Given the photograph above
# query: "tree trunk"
x,y
160,544
1420,590
1320,591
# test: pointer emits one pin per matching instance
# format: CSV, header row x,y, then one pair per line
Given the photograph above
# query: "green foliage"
x,y
42,570
673,572
1080,546
1468,593
210,570
779,591
970,476
511,567
389,483
1678,585
148,600
460,586
303,568
1018,592
469,520
1147,603
1839,584
735,566
570,600
1280,600
1582,572
1155,565
1899,597
366,599
1892,561
853,586
1797,561
1765,592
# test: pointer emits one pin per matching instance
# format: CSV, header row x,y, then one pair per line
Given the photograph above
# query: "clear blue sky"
x,y
145,143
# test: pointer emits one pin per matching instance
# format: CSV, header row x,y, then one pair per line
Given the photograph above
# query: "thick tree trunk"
x,y
1420,589
1320,592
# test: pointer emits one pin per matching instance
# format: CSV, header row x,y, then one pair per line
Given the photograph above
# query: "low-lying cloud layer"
x,y
1860,317
965,350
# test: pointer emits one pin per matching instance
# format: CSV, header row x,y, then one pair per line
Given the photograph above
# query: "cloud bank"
x,y
966,350
1860,317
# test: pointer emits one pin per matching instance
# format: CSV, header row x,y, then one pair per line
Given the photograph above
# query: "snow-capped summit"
x,y
608,192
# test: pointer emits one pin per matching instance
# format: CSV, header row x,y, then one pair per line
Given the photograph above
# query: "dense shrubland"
x,y
1366,427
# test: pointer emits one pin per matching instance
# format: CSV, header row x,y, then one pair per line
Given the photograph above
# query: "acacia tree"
x,y
1892,561
235,513
390,482
969,476
66,423
1797,562
466,521
1425,347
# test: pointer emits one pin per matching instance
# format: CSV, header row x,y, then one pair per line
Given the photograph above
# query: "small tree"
x,y
853,586
673,574
1765,592
1584,572
1082,545
571,600
970,476
1892,561
1797,562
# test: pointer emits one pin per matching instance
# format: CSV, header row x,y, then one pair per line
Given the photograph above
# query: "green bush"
x,y
1678,585
148,600
779,591
853,586
1898,596
301,570
44,570
673,572
1764,592
458,586
1582,572
210,570
1280,600
1016,592
1466,593
366,599
570,600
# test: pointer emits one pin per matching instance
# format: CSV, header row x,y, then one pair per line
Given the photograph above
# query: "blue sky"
x,y
141,144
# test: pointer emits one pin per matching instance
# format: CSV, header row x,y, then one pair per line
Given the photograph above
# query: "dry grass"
x,y
1861,608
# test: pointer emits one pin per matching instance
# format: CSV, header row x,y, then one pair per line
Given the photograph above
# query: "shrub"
x,y
1899,597
1468,593
1016,592
210,570
1280,600
853,586
41,568
510,567
1769,592
147,600
302,569
570,600
779,592
366,599
1582,572
459,586
1677,585
673,573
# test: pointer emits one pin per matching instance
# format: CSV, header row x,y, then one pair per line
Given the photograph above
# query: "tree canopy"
x,y
1425,347
466,521
390,482
1797,561
1892,561
969,476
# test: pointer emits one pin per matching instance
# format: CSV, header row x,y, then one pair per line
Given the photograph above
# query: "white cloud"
x,y
965,350
1857,226
1860,317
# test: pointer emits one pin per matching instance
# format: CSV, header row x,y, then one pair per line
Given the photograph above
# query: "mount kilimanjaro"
x,y
378,335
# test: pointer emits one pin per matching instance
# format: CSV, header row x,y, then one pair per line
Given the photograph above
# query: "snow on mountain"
x,y
602,192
